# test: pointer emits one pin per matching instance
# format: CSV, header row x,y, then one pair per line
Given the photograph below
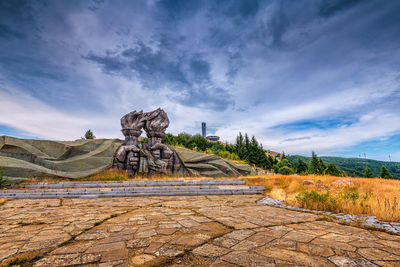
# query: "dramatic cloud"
x,y
317,75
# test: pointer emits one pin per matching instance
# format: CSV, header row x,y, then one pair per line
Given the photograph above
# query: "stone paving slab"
x,y
183,231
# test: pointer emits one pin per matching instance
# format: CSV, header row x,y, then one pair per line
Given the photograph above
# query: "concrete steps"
x,y
146,183
126,189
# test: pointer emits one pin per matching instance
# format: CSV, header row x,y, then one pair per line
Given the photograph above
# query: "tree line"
x,y
385,173
250,151
316,166
319,167
245,149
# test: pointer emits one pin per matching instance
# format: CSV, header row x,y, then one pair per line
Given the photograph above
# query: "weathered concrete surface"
x,y
92,184
183,231
133,191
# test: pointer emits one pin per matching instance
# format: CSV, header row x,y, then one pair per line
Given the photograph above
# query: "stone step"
x,y
132,189
144,183
165,192
9,195
123,193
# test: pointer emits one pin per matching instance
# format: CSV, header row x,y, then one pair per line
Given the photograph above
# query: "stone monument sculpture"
x,y
153,157
21,159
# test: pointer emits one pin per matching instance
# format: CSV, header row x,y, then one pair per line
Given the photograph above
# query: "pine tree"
x,y
239,147
270,163
368,173
89,135
322,165
246,149
385,173
301,167
314,167
283,156
252,151
332,170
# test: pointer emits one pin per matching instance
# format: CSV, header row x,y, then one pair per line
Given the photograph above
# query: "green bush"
x,y
282,163
197,141
350,193
332,170
228,155
89,135
315,200
169,139
285,170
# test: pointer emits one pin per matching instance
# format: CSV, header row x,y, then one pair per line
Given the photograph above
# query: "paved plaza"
x,y
229,230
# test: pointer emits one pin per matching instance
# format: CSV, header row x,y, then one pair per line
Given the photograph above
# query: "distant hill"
x,y
356,166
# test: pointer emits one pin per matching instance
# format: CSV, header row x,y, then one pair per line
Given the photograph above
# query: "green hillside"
x,y
356,166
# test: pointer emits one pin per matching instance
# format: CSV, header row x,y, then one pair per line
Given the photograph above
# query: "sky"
x,y
301,76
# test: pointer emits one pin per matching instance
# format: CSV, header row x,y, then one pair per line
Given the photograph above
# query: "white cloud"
x,y
371,127
368,122
29,115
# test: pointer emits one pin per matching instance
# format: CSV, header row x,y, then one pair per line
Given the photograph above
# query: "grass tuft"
x,y
24,261
2,201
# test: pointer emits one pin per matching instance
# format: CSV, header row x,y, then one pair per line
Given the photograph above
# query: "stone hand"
x,y
166,151
124,150
134,160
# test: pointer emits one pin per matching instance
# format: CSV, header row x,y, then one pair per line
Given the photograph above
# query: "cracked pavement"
x,y
183,231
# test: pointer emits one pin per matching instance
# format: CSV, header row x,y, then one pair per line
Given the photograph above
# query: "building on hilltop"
x,y
204,133
212,138
203,129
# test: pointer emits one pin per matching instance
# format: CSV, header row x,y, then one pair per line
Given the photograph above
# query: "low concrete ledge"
x,y
140,183
133,189
134,194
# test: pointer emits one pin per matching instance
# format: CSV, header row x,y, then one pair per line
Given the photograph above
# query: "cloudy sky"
x,y
319,75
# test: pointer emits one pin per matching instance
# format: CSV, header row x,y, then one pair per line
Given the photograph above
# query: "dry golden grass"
x,y
107,175
117,175
2,201
45,180
377,197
